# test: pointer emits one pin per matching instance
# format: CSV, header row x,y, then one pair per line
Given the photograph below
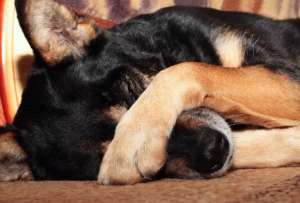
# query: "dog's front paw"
x,y
12,160
13,171
137,151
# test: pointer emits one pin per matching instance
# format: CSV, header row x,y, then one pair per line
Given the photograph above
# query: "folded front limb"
x,y
251,95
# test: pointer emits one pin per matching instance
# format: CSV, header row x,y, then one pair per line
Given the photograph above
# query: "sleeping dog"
x,y
147,85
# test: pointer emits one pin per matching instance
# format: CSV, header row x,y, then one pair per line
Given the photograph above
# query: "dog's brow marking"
x,y
229,47
115,112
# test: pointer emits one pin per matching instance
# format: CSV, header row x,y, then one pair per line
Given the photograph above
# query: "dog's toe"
x,y
12,171
134,155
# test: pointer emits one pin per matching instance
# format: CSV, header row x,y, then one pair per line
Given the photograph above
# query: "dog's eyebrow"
x,y
115,112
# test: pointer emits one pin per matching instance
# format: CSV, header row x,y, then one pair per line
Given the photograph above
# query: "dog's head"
x,y
56,34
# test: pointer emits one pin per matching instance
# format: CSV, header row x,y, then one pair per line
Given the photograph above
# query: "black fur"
x,y
7,128
60,122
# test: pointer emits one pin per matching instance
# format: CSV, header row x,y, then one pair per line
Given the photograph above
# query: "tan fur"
x,y
179,168
142,152
188,122
267,148
255,96
12,160
53,30
104,146
115,112
10,148
229,47
138,148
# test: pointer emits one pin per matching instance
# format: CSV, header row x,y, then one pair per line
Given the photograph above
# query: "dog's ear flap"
x,y
53,31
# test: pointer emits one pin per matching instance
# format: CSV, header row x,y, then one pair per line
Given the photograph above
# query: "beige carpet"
x,y
280,185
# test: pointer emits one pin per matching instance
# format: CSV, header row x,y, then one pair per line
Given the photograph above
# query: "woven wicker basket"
x,y
16,56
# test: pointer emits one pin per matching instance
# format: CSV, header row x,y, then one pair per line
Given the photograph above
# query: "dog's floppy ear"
x,y
53,31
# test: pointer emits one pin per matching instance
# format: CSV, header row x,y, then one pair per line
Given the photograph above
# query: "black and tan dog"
x,y
245,67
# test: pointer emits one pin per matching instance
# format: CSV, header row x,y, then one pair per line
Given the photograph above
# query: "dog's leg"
x,y
252,95
267,148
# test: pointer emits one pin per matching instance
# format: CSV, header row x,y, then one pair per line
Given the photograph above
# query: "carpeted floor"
x,y
280,185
